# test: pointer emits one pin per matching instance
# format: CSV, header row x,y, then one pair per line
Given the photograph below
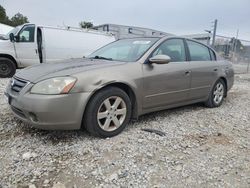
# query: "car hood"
x,y
63,68
3,37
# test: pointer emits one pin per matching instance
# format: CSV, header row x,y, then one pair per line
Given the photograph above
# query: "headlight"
x,y
53,86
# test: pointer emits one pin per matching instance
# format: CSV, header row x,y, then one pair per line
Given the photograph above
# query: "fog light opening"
x,y
33,117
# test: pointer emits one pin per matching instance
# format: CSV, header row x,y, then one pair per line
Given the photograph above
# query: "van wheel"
x,y
108,112
7,67
217,94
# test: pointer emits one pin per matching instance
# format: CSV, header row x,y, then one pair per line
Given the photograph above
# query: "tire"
x,y
104,109
217,94
7,67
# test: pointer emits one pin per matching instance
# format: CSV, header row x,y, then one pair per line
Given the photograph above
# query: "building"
x,y
204,38
123,31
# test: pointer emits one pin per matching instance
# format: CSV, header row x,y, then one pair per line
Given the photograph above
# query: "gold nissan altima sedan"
x,y
118,82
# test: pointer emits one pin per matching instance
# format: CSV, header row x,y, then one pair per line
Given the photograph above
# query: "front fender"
x,y
129,75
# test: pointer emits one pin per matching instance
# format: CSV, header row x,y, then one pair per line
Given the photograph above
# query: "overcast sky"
x,y
172,16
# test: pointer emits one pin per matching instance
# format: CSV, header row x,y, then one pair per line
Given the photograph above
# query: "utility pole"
x,y
214,32
209,38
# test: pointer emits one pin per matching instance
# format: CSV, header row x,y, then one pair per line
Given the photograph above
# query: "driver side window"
x,y
27,34
174,48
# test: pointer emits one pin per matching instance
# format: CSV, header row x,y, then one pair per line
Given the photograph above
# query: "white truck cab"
x,y
31,44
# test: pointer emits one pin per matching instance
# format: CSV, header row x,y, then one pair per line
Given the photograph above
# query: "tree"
x,y
2,14
3,17
18,19
236,43
86,25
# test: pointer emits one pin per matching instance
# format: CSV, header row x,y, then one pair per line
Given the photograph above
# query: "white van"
x,y
31,44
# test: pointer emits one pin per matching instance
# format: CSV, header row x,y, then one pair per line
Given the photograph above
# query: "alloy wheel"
x,y
218,93
111,113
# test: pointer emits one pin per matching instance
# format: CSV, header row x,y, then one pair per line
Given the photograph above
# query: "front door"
x,y
26,46
166,84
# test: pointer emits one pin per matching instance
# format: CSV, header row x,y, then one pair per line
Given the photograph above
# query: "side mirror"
x,y
160,59
12,37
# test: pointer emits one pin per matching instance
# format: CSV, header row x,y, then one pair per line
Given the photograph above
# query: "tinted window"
x,y
213,56
198,52
174,48
27,34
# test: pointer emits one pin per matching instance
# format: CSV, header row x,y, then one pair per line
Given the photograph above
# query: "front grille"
x,y
17,85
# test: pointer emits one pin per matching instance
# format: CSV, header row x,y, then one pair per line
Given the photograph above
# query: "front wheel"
x,y
217,94
108,112
7,67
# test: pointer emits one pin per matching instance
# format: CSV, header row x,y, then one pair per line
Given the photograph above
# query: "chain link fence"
x,y
235,50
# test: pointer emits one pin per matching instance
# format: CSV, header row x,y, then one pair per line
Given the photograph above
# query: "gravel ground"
x,y
202,148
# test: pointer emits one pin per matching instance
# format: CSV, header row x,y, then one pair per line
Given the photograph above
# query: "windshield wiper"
x,y
100,57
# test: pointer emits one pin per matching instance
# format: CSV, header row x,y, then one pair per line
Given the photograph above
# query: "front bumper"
x,y
50,112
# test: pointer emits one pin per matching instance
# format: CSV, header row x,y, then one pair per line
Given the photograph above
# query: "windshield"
x,y
128,50
15,30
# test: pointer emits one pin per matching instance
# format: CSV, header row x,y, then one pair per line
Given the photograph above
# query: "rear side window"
x,y
198,52
174,48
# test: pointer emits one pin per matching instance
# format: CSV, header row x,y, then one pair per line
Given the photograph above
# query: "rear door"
x,y
204,68
166,84
26,46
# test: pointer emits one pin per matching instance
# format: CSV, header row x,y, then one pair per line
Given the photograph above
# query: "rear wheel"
x,y
217,94
7,67
108,112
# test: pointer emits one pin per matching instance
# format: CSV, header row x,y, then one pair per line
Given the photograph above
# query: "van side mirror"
x,y
12,37
160,59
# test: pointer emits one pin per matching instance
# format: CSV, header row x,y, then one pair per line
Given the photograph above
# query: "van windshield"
x,y
15,30
128,50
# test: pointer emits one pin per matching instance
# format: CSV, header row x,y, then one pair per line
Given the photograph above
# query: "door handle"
x,y
187,73
36,51
215,69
